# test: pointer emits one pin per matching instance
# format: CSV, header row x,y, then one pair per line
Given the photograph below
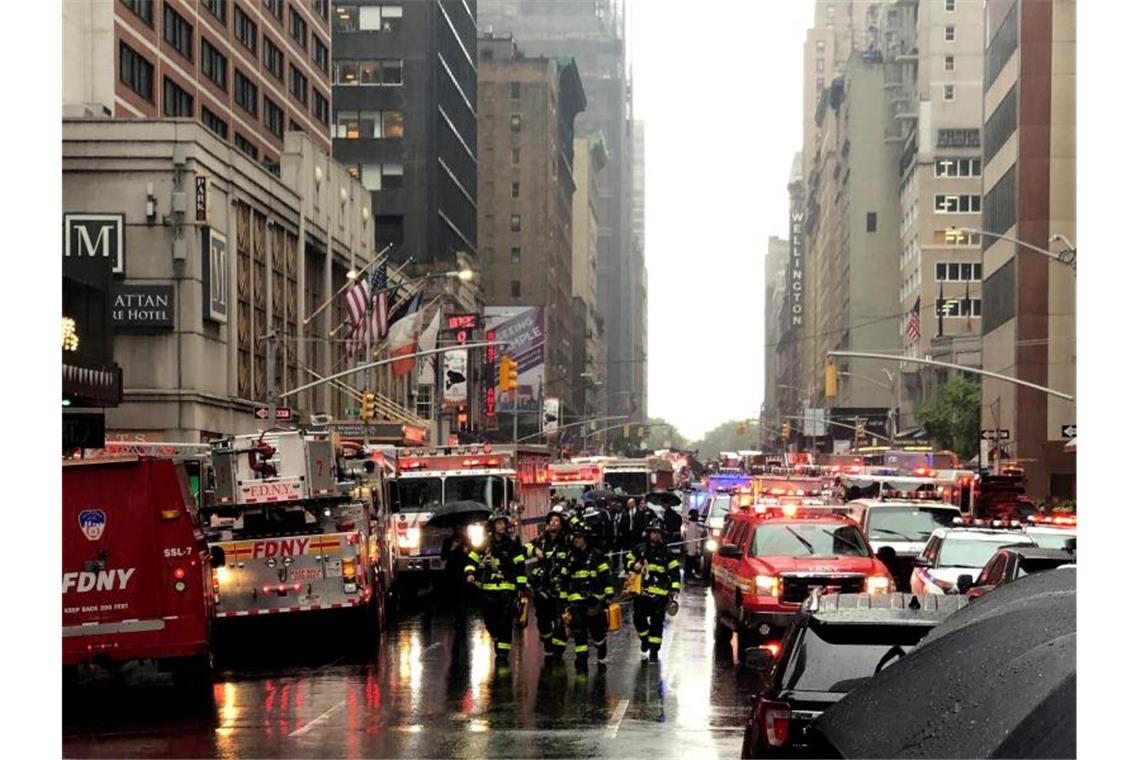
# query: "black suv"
x,y
833,644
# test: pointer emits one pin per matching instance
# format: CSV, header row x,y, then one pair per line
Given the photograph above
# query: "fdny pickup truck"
x,y
298,531
136,568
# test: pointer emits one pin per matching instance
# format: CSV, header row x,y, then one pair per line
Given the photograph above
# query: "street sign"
x,y
1002,434
1068,431
283,413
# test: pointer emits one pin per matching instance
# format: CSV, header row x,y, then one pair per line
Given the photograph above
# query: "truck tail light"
x,y
776,718
169,514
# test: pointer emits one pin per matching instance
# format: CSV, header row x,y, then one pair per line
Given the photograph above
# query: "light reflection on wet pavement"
x,y
427,689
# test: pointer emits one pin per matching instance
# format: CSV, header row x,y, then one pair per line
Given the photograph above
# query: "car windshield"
x,y
420,494
720,505
968,552
908,523
485,489
636,483
804,539
838,658
1050,539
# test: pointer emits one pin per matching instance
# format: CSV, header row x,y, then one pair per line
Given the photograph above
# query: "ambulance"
x,y
297,528
136,568
508,477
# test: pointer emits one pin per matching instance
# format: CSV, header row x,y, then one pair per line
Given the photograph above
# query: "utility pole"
x,y
271,380
515,397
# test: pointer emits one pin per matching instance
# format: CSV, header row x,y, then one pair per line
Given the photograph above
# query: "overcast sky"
x,y
718,83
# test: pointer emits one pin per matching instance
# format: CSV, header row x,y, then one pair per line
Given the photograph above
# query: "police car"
x,y
962,550
1051,531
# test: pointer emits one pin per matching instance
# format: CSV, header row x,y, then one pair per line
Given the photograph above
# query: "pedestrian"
x,y
499,572
692,545
672,522
586,591
550,550
660,585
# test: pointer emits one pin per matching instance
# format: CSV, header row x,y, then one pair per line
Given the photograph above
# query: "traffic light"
x,y
508,374
785,430
831,380
368,405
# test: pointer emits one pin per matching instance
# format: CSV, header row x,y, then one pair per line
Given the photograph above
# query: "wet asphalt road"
x,y
425,689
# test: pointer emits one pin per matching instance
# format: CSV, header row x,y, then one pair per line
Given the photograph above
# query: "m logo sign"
x,y
95,236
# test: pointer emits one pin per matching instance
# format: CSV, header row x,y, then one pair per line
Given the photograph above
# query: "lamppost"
x,y
1068,257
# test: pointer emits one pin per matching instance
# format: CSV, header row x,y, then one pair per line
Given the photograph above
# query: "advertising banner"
x,y
550,414
522,329
455,377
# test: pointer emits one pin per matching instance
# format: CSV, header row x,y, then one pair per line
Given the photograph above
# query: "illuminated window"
x,y
393,124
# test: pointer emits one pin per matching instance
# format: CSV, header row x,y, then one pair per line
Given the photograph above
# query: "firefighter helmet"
x,y
655,524
497,515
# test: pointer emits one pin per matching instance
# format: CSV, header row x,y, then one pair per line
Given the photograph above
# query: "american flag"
x,y
368,310
913,325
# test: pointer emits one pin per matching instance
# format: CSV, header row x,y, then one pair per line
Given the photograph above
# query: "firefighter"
x,y
586,591
660,585
550,550
499,571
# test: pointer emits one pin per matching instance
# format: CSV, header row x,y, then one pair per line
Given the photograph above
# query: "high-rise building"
x,y
1029,195
640,279
791,315
775,284
593,33
404,121
250,71
527,107
589,355
933,53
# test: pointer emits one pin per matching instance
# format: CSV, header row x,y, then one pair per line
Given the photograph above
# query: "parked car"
x,y
834,643
952,553
1016,562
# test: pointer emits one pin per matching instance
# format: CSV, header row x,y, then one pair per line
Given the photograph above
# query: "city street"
x,y
291,690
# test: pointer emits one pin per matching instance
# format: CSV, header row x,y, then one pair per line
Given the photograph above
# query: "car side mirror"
x,y
217,556
758,658
965,582
921,562
731,550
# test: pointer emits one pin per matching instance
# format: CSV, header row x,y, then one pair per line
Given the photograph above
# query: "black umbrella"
x,y
997,679
460,512
663,498
598,495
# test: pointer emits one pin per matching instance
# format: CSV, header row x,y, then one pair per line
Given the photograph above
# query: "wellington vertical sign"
x,y
795,290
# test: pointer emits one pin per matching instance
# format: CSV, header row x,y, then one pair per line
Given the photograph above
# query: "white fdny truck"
x,y
299,527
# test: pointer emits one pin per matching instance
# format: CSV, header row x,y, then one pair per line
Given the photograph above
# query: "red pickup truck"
x,y
770,560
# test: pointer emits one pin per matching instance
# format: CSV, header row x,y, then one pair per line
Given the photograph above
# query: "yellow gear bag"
x,y
633,584
524,609
614,618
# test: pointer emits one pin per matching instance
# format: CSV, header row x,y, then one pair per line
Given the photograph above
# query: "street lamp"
x,y
1068,257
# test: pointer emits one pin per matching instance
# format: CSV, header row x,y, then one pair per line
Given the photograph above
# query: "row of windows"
x,y
962,307
1001,125
950,271
1002,46
957,238
1001,205
953,203
379,176
388,72
356,125
215,66
957,167
367,18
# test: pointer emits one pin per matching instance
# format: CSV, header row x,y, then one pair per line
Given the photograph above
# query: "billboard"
x,y
455,377
522,327
550,415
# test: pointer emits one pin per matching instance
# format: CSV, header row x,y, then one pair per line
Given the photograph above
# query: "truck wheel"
x,y
194,679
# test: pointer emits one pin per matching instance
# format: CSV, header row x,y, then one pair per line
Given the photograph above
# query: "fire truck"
x,y
572,480
637,477
509,477
298,528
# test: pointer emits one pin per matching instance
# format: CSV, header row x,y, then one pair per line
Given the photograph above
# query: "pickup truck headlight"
x,y
410,540
878,584
711,545
767,585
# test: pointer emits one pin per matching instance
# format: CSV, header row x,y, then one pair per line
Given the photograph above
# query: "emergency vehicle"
x,y
899,524
637,477
572,480
298,532
497,476
962,550
136,567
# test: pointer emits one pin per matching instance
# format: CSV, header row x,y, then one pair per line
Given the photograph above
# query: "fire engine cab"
x,y
297,534
508,477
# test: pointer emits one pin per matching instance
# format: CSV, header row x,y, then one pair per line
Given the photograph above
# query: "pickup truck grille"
x,y
796,587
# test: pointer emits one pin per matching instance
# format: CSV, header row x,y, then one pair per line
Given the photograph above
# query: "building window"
x,y
516,289
1000,126
245,146
214,64
1001,46
178,32
1001,206
136,72
389,229
322,8
176,102
392,72
393,124
217,9
957,237
320,107
298,85
215,123
245,29
320,55
516,122
144,9
818,86
516,90
273,57
957,167
872,221
391,17
1000,296
948,92
951,271
370,176
245,92
393,176
957,204
298,29
354,125
514,189
948,63
819,65
486,55
516,155
516,222
820,46
951,6
516,255
346,72
274,118
274,7
950,33
346,18
962,307
295,127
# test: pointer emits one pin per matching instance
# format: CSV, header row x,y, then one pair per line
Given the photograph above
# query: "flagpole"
x,y
350,282
398,270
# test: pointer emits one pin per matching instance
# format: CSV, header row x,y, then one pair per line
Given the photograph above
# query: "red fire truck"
x,y
497,476
637,477
572,480
136,568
